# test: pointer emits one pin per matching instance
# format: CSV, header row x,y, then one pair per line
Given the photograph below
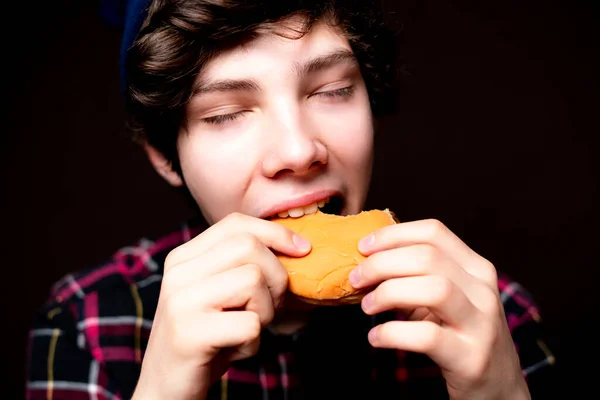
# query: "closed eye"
x,y
342,93
338,93
221,119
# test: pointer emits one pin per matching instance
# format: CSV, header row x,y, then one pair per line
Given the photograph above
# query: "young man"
x,y
257,108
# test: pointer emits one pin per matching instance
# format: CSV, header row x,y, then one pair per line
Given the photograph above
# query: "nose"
x,y
295,147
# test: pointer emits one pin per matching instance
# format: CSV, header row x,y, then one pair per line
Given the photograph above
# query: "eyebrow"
x,y
311,66
226,85
326,61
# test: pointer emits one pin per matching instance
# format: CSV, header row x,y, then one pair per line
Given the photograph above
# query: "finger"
x,y
442,345
414,260
243,287
439,294
431,232
273,235
245,350
229,330
231,253
238,288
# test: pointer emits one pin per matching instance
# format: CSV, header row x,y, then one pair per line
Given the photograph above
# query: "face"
x,y
279,124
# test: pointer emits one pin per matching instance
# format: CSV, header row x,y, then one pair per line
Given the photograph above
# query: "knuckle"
x,y
490,274
247,243
278,289
442,288
265,316
253,326
434,229
172,259
431,336
249,349
489,302
234,218
428,257
253,276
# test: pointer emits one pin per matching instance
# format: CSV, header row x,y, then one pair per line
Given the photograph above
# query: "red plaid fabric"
x,y
88,341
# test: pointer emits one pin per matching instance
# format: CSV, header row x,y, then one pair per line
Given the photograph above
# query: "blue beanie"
x,y
130,14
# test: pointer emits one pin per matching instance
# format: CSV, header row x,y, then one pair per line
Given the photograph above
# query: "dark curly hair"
x,y
178,37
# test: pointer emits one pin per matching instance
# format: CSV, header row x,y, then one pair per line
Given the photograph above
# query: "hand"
x,y
451,299
218,291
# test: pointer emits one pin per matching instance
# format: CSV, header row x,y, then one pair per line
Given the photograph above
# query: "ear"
x,y
162,166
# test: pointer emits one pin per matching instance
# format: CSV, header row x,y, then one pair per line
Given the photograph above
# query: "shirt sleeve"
x,y
60,368
526,327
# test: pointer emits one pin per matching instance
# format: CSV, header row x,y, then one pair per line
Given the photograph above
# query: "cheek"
x,y
215,173
349,136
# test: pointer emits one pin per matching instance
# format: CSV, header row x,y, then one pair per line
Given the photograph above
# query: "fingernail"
x,y
301,242
354,276
373,335
366,242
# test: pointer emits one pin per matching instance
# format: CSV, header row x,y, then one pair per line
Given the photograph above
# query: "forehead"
x,y
277,49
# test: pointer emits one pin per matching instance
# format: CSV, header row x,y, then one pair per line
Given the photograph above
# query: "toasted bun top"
x,y
322,275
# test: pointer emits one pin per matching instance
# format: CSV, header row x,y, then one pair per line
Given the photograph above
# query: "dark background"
x,y
496,136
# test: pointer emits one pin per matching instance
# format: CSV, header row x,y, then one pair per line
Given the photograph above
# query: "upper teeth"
x,y
300,211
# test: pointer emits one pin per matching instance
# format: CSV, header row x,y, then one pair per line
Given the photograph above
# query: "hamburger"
x,y
321,277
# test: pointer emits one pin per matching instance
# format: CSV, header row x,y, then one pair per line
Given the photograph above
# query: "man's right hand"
x,y
218,291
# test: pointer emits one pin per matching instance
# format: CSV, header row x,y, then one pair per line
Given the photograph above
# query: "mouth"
x,y
332,205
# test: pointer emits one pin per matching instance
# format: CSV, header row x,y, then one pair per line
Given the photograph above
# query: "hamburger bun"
x,y
321,277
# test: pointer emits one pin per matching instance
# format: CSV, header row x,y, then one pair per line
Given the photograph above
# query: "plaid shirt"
x,y
88,341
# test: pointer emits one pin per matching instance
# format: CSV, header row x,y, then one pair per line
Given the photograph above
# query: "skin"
x,y
279,135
